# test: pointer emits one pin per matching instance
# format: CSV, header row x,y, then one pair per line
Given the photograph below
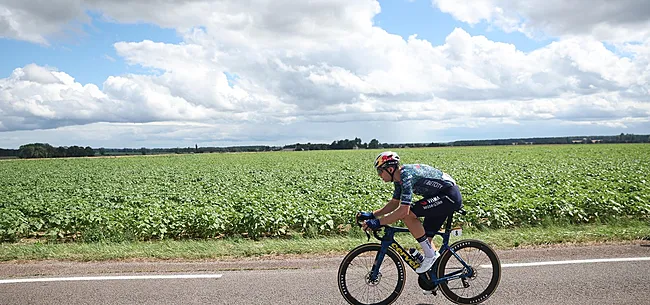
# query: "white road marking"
x,y
117,277
216,276
578,261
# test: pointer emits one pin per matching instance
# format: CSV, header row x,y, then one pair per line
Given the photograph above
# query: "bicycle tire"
x,y
494,279
371,247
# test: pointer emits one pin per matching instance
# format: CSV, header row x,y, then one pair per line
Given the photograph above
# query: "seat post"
x,y
450,219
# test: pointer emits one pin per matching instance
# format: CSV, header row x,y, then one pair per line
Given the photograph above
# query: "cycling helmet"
x,y
386,159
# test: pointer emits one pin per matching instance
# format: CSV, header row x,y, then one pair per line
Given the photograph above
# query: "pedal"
x,y
432,291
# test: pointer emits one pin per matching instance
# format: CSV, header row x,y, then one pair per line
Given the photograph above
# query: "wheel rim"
x,y
361,289
478,283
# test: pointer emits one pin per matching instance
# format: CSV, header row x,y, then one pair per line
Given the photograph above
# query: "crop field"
x,y
312,193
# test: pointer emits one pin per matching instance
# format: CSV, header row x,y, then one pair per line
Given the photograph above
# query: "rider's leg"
x,y
414,224
417,230
433,224
438,209
435,211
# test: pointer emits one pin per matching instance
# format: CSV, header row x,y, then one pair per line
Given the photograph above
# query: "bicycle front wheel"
x,y
485,270
354,276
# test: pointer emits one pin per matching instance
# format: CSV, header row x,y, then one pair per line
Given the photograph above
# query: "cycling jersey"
x,y
420,179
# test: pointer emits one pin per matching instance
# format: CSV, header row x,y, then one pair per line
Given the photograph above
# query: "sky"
x,y
179,73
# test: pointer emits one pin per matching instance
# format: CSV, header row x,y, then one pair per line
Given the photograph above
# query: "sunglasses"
x,y
379,170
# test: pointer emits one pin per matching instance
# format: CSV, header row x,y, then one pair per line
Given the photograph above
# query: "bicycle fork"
x,y
392,244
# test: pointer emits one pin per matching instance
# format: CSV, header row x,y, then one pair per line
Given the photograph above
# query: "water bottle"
x,y
416,255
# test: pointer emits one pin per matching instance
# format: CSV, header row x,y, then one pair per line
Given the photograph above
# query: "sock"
x,y
426,246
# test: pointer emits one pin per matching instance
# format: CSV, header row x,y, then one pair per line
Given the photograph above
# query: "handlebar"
x,y
374,231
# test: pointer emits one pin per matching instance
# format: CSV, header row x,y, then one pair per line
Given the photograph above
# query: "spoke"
x,y
358,287
474,257
360,268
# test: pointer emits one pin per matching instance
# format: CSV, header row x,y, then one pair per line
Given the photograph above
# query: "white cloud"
x,y
39,75
237,20
35,20
242,71
614,21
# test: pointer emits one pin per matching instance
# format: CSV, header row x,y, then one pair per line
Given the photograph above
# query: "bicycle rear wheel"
x,y
354,276
486,268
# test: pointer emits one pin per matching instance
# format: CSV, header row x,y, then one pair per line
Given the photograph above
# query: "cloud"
x,y
35,20
613,21
241,71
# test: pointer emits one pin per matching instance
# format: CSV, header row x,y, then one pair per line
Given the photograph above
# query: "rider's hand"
x,y
365,215
372,223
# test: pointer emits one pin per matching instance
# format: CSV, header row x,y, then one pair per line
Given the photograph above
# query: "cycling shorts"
x,y
436,209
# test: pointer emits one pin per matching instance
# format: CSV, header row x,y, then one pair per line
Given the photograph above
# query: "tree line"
x,y
340,144
45,150
621,138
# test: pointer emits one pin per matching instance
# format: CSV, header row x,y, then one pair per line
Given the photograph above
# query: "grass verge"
x,y
239,247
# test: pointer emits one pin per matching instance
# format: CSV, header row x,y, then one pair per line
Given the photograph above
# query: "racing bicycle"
x,y
466,272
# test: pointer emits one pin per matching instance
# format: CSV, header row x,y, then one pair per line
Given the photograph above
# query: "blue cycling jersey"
x,y
420,179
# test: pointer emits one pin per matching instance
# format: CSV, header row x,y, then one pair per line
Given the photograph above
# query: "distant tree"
x,y
357,142
35,150
61,152
89,152
373,144
8,152
76,151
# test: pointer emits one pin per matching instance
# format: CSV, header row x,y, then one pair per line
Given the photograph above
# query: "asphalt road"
x,y
313,280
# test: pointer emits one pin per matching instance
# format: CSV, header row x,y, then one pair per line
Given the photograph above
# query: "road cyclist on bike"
x,y
440,198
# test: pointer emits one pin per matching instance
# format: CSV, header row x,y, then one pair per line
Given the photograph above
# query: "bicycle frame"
x,y
388,241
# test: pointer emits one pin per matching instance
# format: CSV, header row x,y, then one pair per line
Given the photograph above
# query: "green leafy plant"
x,y
310,193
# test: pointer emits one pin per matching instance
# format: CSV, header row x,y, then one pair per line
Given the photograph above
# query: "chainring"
x,y
424,284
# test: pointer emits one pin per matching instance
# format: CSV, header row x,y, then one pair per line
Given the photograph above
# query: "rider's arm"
x,y
403,194
400,213
389,207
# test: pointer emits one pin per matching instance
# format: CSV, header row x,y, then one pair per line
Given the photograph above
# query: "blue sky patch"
x,y
89,58
420,17
232,78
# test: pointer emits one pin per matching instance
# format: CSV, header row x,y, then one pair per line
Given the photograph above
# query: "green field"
x,y
310,193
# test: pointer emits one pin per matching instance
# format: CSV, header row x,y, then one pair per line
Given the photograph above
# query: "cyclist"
x,y
440,198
